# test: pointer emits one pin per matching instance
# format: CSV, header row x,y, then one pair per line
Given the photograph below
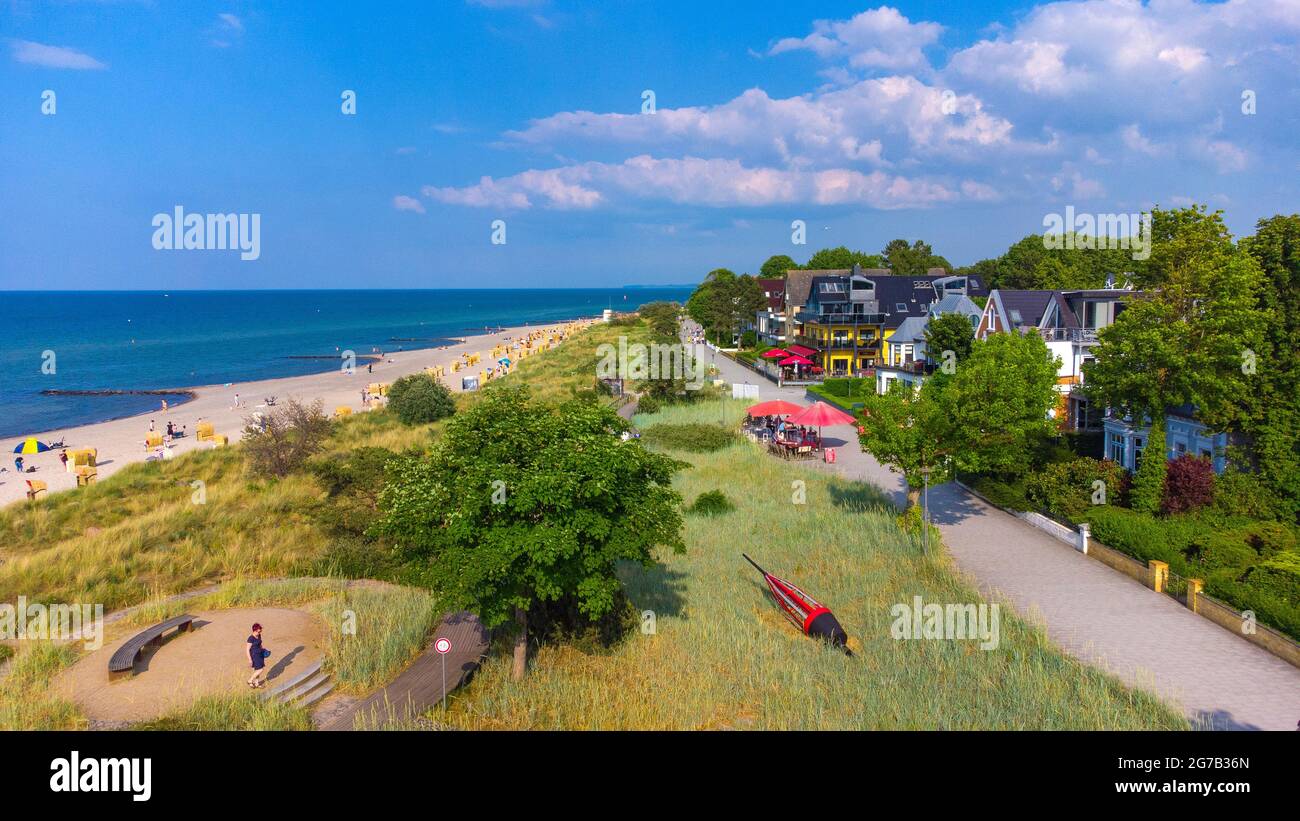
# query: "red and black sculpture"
x,y
807,614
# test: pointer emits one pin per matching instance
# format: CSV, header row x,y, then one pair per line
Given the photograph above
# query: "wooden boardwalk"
x,y
419,687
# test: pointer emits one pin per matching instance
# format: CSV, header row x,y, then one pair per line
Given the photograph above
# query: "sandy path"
x,y
211,659
121,441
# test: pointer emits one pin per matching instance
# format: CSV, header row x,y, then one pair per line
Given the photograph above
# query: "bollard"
x,y
1159,575
1194,587
1084,533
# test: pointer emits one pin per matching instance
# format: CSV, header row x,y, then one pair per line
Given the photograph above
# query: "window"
x,y
900,306
1139,445
1180,448
1015,317
1117,449
1205,454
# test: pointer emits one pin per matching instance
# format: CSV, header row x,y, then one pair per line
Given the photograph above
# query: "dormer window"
x,y
901,306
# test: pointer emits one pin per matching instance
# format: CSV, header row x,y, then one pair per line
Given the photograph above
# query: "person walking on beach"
x,y
63,457
257,658
164,406
236,405
18,464
151,426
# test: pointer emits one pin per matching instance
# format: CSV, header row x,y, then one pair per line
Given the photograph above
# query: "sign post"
x,y
443,646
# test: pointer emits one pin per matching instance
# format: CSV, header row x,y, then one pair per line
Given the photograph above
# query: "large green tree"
x,y
997,402
842,257
723,303
907,430
984,418
776,266
1273,422
1191,336
949,332
522,503
915,259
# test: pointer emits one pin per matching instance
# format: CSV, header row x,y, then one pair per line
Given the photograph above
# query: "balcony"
x,y
865,348
1079,336
843,319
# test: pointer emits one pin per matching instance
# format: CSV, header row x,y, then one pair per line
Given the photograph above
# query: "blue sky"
x,y
962,124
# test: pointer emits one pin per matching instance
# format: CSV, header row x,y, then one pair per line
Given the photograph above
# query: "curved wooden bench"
x,y
122,664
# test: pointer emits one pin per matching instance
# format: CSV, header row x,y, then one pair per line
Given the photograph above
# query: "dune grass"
x,y
25,699
722,656
242,711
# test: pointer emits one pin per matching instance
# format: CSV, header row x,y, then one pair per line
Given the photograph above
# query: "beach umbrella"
x,y
31,445
820,414
505,360
774,353
795,359
804,611
774,407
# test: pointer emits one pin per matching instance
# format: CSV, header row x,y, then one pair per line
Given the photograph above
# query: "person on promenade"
x,y
257,658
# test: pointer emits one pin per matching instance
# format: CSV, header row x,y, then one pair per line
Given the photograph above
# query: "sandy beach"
x,y
121,442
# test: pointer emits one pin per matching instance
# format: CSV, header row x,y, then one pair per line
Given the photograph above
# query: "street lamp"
x,y
925,508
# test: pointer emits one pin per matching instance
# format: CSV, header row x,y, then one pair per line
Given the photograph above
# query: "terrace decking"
x,y
420,686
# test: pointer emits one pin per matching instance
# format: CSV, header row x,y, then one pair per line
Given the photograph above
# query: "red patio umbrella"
x,y
774,353
774,407
795,359
820,414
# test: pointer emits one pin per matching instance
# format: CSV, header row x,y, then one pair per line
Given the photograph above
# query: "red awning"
x,y
795,360
801,350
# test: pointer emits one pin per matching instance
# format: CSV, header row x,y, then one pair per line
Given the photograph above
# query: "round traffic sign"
x,y
443,646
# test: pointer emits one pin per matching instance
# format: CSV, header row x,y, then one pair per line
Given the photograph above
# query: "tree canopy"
x,y
522,503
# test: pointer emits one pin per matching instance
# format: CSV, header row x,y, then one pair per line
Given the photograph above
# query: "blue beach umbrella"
x,y
31,445
505,360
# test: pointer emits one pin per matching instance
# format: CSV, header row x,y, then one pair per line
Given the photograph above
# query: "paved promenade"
x,y
1095,614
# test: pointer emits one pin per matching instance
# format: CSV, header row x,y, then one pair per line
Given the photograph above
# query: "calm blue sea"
x,y
150,340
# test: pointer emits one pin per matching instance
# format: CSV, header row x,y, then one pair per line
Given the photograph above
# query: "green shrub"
x,y
1136,534
284,438
711,503
1239,493
648,404
1067,489
419,399
1003,494
696,437
748,339
837,387
1278,576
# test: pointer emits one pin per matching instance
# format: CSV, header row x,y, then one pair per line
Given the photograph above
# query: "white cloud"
x,y
39,54
706,182
878,38
404,203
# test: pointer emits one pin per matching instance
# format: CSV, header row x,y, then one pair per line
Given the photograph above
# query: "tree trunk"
x,y
521,645
913,497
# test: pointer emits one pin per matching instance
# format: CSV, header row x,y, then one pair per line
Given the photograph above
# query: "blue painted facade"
x,y
1183,435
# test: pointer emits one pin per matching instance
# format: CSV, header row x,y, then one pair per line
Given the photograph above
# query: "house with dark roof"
x,y
848,316
1068,321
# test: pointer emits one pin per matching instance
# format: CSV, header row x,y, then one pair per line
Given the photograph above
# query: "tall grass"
x,y
722,656
392,626
241,711
26,702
